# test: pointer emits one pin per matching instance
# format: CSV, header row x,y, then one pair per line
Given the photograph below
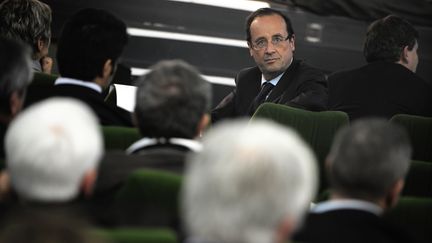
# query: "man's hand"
x,y
46,64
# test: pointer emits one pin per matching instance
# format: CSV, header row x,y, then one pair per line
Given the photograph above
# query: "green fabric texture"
x,y
119,138
150,197
420,132
136,235
413,214
418,182
318,129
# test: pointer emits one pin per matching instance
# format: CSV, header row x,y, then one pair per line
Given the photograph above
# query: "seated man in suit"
x,y
88,49
172,109
252,182
366,168
15,76
52,152
387,85
30,22
271,41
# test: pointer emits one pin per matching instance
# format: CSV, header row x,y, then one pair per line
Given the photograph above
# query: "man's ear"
x,y
284,230
107,69
393,195
16,102
203,123
88,182
292,42
251,50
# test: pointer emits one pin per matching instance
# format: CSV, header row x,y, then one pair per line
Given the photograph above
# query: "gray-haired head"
x,y
15,72
51,147
26,20
367,158
246,181
171,100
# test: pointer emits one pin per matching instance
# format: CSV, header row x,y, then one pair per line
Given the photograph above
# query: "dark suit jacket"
x,y
379,89
349,225
108,114
301,86
113,172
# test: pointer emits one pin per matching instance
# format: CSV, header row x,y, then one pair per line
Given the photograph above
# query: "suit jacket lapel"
x,y
285,82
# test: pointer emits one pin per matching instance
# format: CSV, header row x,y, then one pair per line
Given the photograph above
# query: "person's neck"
x,y
340,196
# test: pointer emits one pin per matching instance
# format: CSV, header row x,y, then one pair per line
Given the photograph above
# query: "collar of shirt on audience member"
x,y
338,204
145,142
90,85
275,80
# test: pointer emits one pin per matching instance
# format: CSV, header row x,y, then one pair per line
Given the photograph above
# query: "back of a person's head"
x,y
387,37
171,100
15,71
248,178
26,20
367,158
49,148
88,39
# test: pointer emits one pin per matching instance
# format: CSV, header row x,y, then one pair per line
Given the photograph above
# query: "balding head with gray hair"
x,y
368,158
248,181
51,148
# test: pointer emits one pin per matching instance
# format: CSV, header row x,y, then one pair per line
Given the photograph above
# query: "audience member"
x,y
366,167
250,183
88,48
15,76
30,22
387,85
278,77
172,109
52,151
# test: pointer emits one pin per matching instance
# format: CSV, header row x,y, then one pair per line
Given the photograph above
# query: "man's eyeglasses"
x,y
263,43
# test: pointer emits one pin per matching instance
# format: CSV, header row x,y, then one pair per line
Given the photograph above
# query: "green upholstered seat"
x,y
149,197
136,235
119,138
413,214
420,132
418,182
317,128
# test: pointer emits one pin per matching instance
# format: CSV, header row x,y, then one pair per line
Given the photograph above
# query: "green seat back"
x,y
420,132
149,197
316,128
119,138
137,235
413,214
418,182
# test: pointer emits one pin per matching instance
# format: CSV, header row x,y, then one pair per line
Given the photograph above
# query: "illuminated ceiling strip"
x,y
245,5
211,79
186,37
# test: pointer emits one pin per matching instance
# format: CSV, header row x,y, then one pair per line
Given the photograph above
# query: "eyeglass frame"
x,y
266,43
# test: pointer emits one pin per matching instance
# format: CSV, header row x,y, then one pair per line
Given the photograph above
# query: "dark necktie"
x,y
261,97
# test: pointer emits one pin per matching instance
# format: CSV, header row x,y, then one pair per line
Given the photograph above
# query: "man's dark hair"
x,y
88,40
387,37
367,158
171,100
26,20
15,71
267,12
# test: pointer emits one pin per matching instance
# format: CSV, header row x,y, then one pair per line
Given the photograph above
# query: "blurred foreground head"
x,y
52,150
252,182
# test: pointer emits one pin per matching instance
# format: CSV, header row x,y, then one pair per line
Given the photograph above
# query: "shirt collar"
x,y
275,80
337,204
77,82
145,142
